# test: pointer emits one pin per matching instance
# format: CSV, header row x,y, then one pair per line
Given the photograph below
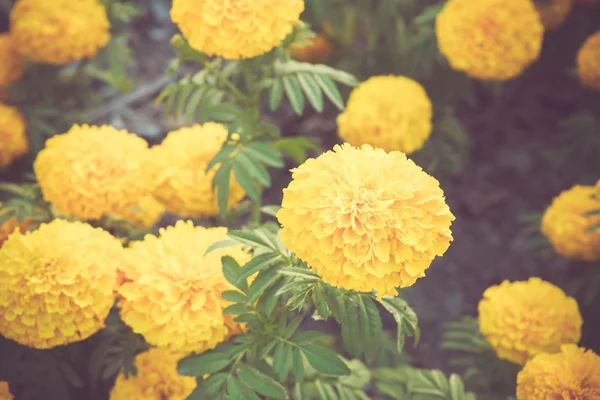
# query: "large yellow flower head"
x,y
59,31
172,290
572,374
92,171
588,62
365,219
377,115
145,213
236,29
180,162
13,139
156,379
526,318
5,392
490,39
12,66
57,283
565,225
553,12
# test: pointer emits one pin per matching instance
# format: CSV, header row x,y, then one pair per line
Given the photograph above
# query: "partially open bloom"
x,y
389,112
565,225
180,162
5,392
156,378
145,213
12,66
553,12
13,139
316,49
365,219
490,39
572,374
588,62
236,29
526,318
172,290
57,283
92,171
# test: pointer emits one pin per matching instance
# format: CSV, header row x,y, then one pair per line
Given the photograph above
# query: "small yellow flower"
x,y
7,227
565,225
59,31
180,162
13,63
5,392
92,171
145,213
57,283
156,379
572,374
553,12
588,62
365,219
236,29
13,139
490,39
172,289
378,116
526,318
316,50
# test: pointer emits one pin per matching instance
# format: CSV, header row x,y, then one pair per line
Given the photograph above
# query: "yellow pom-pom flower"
x,y
526,318
588,62
57,283
13,63
378,116
13,139
490,39
553,12
156,379
572,374
59,31
180,162
236,29
365,219
5,392
565,225
145,213
316,49
92,171
172,290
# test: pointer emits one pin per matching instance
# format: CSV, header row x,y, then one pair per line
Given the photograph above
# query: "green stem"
x,y
226,82
256,209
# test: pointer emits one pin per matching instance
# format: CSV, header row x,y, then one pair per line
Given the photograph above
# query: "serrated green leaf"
x,y
298,364
236,309
291,328
223,154
250,238
238,391
261,383
312,90
231,270
297,147
254,168
371,326
265,152
320,302
224,112
262,282
324,360
209,388
258,263
406,319
220,245
221,185
276,94
282,360
330,90
242,175
206,363
293,92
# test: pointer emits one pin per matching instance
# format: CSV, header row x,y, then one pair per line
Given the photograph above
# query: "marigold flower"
x,y
588,62
526,318
156,378
365,219
145,213
180,162
554,12
236,29
59,31
490,39
5,392
92,171
316,50
7,227
13,63
172,290
57,283
572,374
13,139
565,225
377,116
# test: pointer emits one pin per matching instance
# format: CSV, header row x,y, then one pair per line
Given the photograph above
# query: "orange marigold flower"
x,y
145,213
526,318
59,31
572,374
180,162
588,62
553,12
92,171
377,116
5,392
172,290
57,283
365,219
7,227
156,378
490,39
565,225
316,49
13,63
236,29
13,139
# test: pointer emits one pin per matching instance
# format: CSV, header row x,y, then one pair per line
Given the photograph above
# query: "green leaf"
x,y
255,168
220,245
276,94
294,93
429,14
324,360
297,147
270,210
210,388
330,90
320,302
312,91
265,152
206,363
234,296
298,364
282,360
221,182
371,326
225,112
221,156
260,382
293,326
236,309
406,319
244,178
262,282
250,238
231,270
238,391
258,263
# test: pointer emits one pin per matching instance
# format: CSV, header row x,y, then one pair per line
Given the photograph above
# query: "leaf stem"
x,y
226,82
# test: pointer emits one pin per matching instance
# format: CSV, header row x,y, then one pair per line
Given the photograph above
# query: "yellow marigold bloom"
x,y
236,29
57,283
572,374
553,12
490,39
180,162
145,213
156,379
588,62
13,139
365,219
564,224
316,50
5,392
526,318
172,290
378,116
92,171
13,63
59,31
